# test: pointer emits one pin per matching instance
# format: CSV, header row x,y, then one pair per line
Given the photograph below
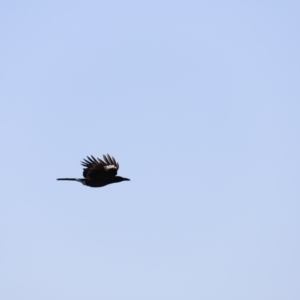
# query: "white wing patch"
x,y
107,167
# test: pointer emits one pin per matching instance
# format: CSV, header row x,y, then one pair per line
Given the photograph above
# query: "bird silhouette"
x,y
98,172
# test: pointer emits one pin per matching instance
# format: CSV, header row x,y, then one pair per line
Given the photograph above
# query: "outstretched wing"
x,y
98,168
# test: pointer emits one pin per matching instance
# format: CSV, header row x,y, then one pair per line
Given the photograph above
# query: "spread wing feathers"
x,y
98,168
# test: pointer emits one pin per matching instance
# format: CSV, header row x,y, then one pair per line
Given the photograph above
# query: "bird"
x,y
98,172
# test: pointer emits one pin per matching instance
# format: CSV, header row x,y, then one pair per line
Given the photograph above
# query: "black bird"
x,y
98,172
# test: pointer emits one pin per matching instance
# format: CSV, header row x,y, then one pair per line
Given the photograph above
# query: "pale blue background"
x,y
199,102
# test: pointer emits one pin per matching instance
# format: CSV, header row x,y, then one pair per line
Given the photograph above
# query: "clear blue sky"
x,y
198,101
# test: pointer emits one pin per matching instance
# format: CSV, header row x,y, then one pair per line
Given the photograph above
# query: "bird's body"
x,y
98,172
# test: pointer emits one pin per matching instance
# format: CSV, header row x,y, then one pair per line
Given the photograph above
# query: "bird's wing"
x,y
98,168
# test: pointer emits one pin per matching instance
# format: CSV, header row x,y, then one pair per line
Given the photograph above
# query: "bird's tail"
x,y
72,179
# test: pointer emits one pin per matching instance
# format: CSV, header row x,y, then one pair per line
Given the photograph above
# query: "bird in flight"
x,y
98,172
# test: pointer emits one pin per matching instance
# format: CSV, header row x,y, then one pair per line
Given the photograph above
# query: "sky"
x,y
198,101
